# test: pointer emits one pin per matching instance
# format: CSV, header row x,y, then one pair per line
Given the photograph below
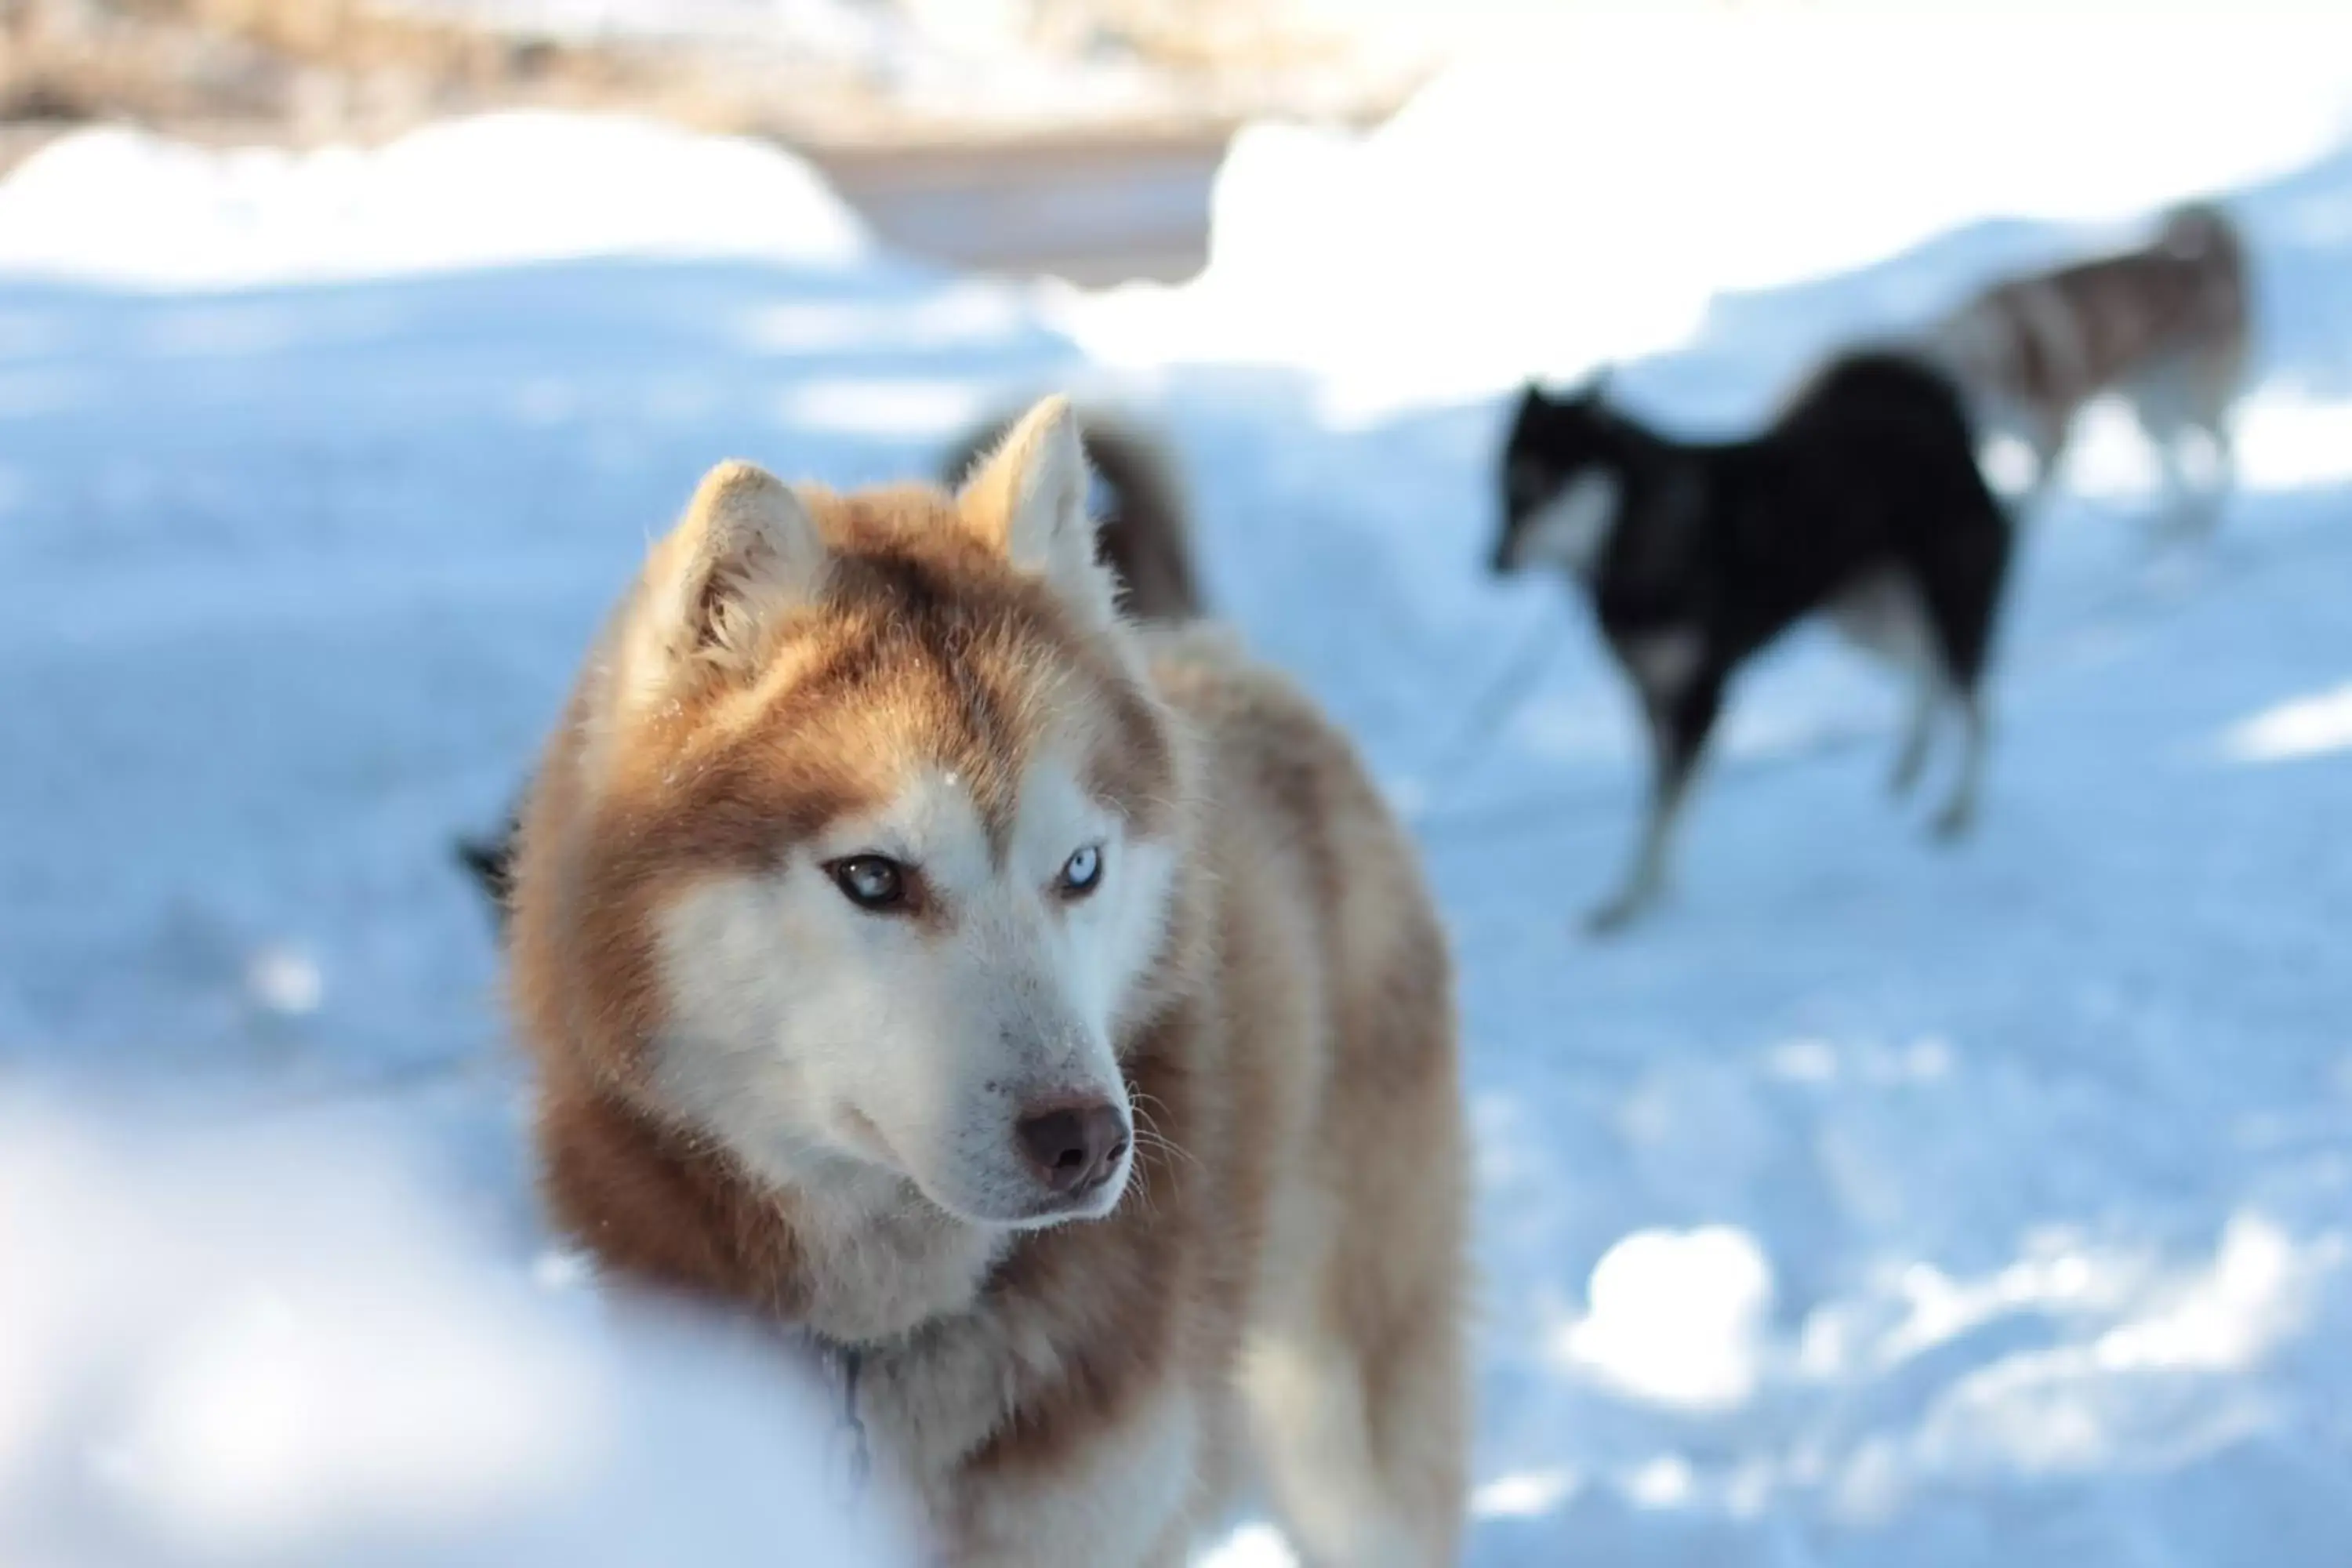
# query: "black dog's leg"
x,y
1961,588
1680,721
1919,732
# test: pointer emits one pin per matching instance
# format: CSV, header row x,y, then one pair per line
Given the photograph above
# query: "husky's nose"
x,y
1072,1147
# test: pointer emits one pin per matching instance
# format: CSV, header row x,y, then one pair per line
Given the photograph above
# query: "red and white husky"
x,y
1044,1012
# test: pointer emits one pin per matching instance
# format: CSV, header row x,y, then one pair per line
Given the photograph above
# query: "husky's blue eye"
x,y
870,881
1081,871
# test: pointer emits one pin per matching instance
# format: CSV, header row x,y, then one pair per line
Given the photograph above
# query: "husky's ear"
x,y
746,553
1028,498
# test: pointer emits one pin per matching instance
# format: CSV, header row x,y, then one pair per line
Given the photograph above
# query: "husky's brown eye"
x,y
870,881
1081,872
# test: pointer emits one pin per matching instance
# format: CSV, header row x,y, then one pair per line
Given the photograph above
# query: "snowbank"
x,y
1676,1318
1581,192
498,190
266,1348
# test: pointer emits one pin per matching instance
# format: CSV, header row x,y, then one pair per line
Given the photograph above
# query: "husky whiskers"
x,y
1864,499
915,953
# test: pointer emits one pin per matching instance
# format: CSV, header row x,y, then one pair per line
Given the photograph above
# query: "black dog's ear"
x,y
1594,386
1531,397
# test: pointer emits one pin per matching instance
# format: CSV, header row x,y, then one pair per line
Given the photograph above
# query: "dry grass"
x,y
310,70
304,72
1213,41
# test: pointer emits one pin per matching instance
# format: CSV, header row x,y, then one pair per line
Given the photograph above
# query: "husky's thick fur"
x,y
915,953
1140,529
1864,497
2164,327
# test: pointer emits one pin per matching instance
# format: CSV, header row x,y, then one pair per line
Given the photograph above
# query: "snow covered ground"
x,y
1878,1204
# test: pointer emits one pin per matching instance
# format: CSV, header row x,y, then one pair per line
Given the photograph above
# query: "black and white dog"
x,y
1864,498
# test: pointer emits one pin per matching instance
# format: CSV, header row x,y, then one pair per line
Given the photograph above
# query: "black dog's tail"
x,y
1143,532
1144,536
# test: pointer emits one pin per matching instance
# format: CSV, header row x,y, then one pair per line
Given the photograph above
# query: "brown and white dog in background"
x,y
1040,1014
2164,327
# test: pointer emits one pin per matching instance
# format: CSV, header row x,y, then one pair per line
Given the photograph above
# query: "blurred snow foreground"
x,y
1872,1208
272,1348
